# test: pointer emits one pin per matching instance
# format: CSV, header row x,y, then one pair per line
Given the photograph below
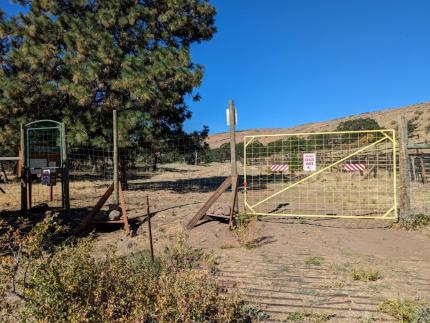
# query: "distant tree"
x,y
196,146
358,124
222,154
77,60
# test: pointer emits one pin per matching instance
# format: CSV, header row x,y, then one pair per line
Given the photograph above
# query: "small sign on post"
x,y
309,162
48,177
227,114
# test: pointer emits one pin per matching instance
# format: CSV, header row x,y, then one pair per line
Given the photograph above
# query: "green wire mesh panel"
x,y
332,174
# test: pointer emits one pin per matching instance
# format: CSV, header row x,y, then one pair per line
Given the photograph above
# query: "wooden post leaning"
x,y
89,218
231,181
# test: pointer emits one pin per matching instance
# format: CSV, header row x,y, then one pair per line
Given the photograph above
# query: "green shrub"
x,y
366,274
73,286
314,261
73,283
406,310
306,316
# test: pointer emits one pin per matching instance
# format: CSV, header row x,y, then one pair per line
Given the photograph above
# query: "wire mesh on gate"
x,y
332,174
44,152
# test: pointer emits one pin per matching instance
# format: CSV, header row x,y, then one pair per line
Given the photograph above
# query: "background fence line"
x,y
178,173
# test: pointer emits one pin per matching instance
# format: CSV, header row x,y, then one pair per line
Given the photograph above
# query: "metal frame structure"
x,y
386,136
61,170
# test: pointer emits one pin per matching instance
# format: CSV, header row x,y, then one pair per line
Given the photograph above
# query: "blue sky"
x,y
288,62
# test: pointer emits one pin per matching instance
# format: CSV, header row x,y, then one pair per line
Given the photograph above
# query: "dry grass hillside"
x,y
387,118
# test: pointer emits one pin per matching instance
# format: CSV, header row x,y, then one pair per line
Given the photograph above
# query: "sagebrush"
x,y
70,282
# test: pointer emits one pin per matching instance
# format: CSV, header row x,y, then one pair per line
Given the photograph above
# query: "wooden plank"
x,y
20,163
89,218
123,209
215,196
423,169
369,171
419,146
413,170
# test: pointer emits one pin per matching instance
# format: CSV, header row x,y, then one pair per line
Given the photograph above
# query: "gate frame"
x,y
394,209
26,189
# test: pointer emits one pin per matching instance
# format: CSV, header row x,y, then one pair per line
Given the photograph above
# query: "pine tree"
x,y
77,60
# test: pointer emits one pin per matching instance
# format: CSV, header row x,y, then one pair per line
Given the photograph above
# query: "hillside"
x,y
387,118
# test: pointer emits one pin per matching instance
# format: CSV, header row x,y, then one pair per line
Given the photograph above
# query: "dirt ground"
x,y
305,265
288,264
301,265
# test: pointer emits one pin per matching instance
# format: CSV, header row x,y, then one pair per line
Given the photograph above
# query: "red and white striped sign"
x,y
279,167
354,167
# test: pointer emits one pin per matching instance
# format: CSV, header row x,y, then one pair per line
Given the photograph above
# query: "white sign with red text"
x,y
309,162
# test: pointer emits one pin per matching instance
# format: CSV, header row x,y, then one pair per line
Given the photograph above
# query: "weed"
x,y
406,310
245,230
309,317
415,222
314,261
365,274
284,269
228,246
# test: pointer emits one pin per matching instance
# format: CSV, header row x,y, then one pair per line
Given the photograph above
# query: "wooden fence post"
x,y
115,158
22,173
232,121
66,180
148,218
404,171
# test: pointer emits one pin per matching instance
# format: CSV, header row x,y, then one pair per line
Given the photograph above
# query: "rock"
x,y
114,215
222,210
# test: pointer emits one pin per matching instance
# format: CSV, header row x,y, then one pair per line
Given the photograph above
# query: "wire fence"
x,y
179,174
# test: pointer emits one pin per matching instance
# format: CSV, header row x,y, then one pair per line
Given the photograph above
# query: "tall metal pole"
x,y
232,119
115,159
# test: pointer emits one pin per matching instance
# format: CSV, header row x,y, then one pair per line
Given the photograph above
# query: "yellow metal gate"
x,y
342,174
